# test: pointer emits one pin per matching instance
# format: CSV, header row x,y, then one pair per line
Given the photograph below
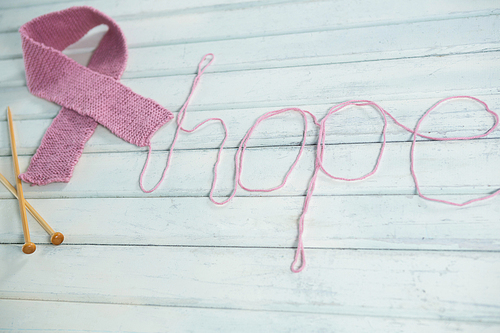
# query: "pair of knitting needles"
x,y
56,238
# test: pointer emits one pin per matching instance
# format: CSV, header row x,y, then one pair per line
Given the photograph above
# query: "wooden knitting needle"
x,y
28,246
56,238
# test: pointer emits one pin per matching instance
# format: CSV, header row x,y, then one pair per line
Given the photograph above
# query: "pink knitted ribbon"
x,y
88,95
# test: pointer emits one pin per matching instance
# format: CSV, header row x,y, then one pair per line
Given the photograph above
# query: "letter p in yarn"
x,y
88,95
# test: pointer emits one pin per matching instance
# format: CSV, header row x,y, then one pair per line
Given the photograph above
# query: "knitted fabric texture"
x,y
88,95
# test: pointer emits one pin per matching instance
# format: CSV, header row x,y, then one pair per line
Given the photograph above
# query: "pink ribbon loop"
x,y
89,95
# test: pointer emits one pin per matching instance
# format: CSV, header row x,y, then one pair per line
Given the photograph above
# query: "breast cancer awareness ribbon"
x,y
88,95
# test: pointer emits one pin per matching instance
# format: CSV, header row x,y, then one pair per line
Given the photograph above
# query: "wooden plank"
x,y
13,18
355,222
408,284
317,47
85,317
354,125
463,35
110,3
379,257
26,3
401,79
270,20
116,175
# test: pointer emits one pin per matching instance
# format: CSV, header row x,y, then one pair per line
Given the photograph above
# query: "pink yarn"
x,y
89,95
93,95
300,258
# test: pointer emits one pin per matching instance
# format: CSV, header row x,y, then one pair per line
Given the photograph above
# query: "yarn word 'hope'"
x,y
93,95
299,262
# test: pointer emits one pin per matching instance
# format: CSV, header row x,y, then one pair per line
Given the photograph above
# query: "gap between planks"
x,y
69,244
216,36
237,309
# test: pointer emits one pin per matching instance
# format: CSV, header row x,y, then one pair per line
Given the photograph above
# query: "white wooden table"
x,y
380,259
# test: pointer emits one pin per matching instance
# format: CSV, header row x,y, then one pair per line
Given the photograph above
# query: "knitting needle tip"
x,y
29,248
57,238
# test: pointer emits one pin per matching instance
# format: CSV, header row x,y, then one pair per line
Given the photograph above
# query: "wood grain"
x,y
380,259
394,222
88,317
308,16
415,284
412,39
125,9
401,79
116,175
354,125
